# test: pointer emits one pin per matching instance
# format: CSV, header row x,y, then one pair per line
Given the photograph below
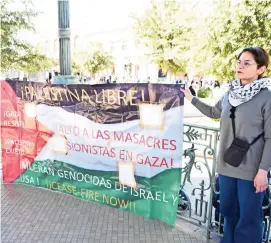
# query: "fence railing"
x,y
198,186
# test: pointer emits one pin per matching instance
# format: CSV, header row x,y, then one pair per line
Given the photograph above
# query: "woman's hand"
x,y
261,181
187,94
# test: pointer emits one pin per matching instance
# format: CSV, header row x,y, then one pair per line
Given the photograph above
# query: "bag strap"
x,y
232,116
256,139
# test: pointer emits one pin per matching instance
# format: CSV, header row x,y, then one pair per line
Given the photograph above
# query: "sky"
x,y
87,15
91,15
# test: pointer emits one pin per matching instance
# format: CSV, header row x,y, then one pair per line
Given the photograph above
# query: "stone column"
x,y
64,34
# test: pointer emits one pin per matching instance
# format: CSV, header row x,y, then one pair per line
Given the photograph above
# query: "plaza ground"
x,y
34,215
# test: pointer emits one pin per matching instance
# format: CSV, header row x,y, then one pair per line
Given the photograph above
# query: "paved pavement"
x,y
33,215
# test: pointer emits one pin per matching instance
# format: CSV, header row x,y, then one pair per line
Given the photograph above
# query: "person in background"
x,y
217,84
186,80
24,78
200,82
192,90
245,113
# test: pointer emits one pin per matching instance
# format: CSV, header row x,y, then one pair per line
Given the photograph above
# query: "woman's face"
x,y
247,69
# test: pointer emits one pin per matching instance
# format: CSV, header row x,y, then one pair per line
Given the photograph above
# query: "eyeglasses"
x,y
244,64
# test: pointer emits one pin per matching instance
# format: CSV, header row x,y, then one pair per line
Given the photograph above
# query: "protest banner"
x,y
114,144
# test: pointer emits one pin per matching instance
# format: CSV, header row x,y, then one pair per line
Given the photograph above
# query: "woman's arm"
x,y
210,111
265,163
261,180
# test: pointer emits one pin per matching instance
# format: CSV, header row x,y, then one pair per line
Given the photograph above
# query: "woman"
x,y
245,112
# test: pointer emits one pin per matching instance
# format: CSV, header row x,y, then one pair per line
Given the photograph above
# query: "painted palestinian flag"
x,y
114,144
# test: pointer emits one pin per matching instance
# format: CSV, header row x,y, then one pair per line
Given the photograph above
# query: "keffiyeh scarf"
x,y
239,94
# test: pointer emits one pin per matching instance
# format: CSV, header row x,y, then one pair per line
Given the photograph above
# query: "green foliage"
x,y
233,27
98,61
16,53
79,58
204,92
75,67
204,45
33,62
165,32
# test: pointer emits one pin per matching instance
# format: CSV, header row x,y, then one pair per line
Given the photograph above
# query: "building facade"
x,y
130,61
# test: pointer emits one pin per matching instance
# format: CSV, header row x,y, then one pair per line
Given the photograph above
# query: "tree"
x,y
79,59
98,61
234,26
165,31
75,67
33,62
17,53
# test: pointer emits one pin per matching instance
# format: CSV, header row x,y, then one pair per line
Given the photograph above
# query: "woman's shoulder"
x,y
266,93
264,98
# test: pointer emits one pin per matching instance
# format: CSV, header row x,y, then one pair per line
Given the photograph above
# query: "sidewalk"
x,y
33,215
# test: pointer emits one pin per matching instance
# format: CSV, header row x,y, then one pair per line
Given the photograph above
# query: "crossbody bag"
x,y
235,154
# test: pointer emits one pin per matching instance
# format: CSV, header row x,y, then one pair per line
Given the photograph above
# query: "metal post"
x,y
64,34
210,208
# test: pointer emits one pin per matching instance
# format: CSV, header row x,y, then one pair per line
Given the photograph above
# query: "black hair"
x,y
260,55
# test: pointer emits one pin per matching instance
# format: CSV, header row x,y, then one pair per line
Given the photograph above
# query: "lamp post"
x,y
64,35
